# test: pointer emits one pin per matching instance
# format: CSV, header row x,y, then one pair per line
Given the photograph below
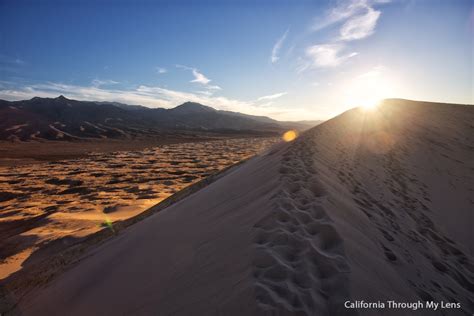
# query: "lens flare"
x,y
290,135
108,223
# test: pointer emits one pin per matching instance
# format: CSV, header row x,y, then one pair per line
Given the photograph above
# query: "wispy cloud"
x,y
98,82
360,26
272,96
213,87
340,12
360,17
160,70
276,48
359,20
200,78
183,67
205,92
327,55
152,96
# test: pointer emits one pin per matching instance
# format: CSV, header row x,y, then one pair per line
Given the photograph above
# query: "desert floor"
x,y
45,202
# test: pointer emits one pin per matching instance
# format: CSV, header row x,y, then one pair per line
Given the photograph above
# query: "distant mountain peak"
x,y
61,98
192,107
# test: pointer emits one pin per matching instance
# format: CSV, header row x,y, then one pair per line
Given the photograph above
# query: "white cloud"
x,y
152,96
276,48
213,87
360,26
161,70
205,92
272,96
200,78
183,67
98,82
346,9
341,12
358,19
327,55
266,104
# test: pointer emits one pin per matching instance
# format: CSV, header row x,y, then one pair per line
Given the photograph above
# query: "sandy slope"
x,y
370,205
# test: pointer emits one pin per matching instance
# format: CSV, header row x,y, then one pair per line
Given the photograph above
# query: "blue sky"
x,y
289,60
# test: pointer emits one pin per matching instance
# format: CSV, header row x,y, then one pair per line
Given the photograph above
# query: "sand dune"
x,y
371,205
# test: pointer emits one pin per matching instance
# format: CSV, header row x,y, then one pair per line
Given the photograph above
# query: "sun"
x,y
369,89
370,105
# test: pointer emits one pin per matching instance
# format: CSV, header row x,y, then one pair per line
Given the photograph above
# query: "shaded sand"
x,y
367,206
43,203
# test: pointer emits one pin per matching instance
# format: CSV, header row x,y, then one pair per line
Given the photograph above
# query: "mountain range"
x,y
65,119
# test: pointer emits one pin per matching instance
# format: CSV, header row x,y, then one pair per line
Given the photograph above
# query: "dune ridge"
x,y
370,206
300,262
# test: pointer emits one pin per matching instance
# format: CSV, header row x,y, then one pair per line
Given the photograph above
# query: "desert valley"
x,y
58,187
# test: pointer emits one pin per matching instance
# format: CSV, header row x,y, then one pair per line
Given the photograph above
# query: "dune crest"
x,y
300,263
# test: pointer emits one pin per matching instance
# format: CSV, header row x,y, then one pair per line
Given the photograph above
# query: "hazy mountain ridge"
x,y
65,119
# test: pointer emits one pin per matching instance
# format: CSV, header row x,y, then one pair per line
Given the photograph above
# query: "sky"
x,y
290,60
